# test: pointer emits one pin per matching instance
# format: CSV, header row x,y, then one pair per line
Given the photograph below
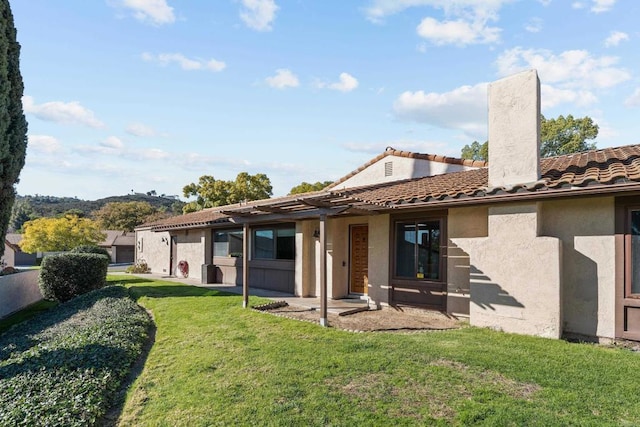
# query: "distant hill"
x,y
49,206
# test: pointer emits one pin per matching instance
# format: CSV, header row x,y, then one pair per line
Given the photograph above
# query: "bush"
x,y
9,270
66,366
139,267
91,249
65,276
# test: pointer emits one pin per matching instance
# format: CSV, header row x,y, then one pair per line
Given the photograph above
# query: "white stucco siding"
x,y
191,247
587,230
379,258
467,222
515,274
401,168
153,248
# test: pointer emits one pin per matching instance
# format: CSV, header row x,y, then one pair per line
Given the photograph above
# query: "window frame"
x,y
227,230
275,248
628,253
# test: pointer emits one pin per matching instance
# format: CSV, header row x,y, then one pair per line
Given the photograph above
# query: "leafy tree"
x,y
126,215
59,234
13,125
564,135
211,192
306,187
476,151
21,212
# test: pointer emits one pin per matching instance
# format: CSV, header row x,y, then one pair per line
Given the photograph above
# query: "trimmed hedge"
x,y
65,276
91,249
67,365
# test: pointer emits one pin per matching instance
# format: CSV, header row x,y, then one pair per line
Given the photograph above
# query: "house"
x,y
13,255
546,247
120,245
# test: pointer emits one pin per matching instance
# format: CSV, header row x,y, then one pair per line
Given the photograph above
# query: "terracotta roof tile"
x,y
607,166
399,153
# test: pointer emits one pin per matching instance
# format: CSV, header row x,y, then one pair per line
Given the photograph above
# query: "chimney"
x,y
514,130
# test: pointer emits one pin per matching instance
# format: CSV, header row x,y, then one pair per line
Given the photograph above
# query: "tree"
x,y
564,135
125,215
21,212
476,151
59,234
211,192
13,125
306,187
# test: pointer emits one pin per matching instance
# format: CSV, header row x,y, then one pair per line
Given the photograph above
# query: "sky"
x,y
127,96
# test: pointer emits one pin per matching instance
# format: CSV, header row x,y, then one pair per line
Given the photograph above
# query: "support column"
x,y
323,271
245,265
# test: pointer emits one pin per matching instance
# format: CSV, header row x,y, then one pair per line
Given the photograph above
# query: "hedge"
x,y
67,365
65,276
91,249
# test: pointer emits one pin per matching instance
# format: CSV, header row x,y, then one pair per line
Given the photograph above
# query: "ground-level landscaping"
x,y
215,363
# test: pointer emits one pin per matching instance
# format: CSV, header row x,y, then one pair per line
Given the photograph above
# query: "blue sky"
x,y
143,95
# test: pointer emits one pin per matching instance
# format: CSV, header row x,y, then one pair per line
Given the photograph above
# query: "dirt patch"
x,y
386,319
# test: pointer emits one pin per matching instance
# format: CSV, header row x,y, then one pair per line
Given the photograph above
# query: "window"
x,y
274,243
227,243
417,249
634,285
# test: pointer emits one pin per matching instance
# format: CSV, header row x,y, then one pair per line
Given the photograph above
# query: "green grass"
x,y
215,363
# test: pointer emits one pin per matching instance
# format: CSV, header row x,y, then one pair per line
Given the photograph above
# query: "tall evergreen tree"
x,y
13,125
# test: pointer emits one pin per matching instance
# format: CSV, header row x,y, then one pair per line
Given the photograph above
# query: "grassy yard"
x,y
214,363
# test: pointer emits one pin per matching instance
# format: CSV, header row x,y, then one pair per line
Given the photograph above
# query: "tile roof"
x,y
606,167
390,151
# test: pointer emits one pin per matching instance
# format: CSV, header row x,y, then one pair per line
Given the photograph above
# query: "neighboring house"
x,y
13,255
120,245
546,247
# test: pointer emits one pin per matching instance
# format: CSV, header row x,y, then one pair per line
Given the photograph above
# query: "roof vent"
x,y
388,169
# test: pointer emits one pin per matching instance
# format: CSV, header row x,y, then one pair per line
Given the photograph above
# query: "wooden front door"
x,y
359,259
629,296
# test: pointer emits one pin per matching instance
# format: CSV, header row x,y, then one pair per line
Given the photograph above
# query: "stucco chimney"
x,y
514,130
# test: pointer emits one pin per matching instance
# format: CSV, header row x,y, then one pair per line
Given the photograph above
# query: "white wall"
x,y
587,230
154,248
18,291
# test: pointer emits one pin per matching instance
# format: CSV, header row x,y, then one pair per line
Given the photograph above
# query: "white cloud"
x,y
534,25
346,83
112,142
61,112
552,96
458,32
570,69
634,99
140,129
615,38
156,12
463,108
284,78
44,144
578,5
185,63
258,14
600,6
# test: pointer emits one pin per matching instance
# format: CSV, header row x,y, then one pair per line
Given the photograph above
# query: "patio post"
x,y
323,270
245,265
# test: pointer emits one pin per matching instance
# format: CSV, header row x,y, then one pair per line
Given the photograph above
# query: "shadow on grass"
x,y
172,291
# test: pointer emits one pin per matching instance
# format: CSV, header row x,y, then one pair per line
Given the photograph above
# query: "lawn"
x,y
215,363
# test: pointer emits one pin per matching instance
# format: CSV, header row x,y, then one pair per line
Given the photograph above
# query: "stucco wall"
x,y
379,259
403,168
515,275
18,291
341,253
305,268
191,248
154,249
462,223
586,228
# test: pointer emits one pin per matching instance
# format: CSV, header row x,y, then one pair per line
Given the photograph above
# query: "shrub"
x,y
9,270
139,267
91,249
66,366
65,276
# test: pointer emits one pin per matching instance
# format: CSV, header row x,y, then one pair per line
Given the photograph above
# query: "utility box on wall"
x,y
208,274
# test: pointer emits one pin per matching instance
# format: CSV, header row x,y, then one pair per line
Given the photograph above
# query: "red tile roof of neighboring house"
x,y
390,151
